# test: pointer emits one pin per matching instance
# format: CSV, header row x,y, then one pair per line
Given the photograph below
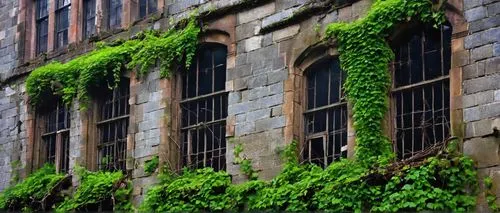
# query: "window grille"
x,y
42,26
89,18
204,109
55,136
326,114
63,8
147,7
421,90
114,14
112,128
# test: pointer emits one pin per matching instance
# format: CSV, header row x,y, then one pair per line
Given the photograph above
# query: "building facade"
x,y
262,76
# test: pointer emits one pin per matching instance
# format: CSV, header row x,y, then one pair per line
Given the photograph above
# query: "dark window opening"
x,y
63,8
326,114
89,18
112,128
55,136
42,26
114,14
421,91
204,109
147,7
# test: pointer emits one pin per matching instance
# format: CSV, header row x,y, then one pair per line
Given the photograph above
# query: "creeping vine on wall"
x,y
365,56
104,66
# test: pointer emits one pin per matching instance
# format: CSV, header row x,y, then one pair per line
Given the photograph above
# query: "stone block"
x,y
235,109
240,71
496,48
482,84
256,13
482,52
477,99
277,76
492,65
494,9
469,4
475,13
472,114
277,17
479,128
257,81
497,95
256,93
180,6
244,128
258,114
285,33
234,97
460,58
247,30
276,111
484,151
269,123
253,43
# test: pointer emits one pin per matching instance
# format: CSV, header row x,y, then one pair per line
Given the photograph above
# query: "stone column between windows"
x,y
51,25
75,26
128,8
99,16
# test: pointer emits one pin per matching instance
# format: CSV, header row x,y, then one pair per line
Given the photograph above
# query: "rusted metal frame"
x,y
112,119
335,105
420,84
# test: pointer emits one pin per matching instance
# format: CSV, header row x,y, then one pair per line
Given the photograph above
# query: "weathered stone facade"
x,y
270,44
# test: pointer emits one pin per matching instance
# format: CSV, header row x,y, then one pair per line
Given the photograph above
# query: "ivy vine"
x,y
365,56
104,65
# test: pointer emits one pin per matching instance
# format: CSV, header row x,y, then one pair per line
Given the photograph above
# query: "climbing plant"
x,y
95,188
29,194
365,56
104,65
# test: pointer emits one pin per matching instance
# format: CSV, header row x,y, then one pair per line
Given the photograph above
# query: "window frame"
x,y
341,104
222,95
150,7
39,20
60,136
60,9
443,80
118,163
113,11
87,18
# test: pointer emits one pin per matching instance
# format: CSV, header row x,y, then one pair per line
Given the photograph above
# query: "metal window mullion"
x,y
422,52
325,139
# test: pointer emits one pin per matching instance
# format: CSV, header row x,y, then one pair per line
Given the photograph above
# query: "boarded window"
x,y
421,89
63,8
89,18
147,7
326,114
204,109
42,26
55,124
114,14
112,128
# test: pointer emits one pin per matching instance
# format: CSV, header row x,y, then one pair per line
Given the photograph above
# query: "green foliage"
x,y
103,67
31,190
151,165
96,187
245,163
365,56
170,48
440,183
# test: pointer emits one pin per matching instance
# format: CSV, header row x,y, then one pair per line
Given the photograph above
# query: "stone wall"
x,y
481,88
12,105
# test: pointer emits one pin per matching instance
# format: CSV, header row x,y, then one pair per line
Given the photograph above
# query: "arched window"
x,y
204,109
421,90
326,114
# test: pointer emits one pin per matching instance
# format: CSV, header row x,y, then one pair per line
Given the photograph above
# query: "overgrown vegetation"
x,y
96,188
369,182
365,56
104,66
30,194
151,165
440,183
45,189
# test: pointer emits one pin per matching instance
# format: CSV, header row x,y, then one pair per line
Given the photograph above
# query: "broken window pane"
x,y
204,109
326,115
112,128
422,98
